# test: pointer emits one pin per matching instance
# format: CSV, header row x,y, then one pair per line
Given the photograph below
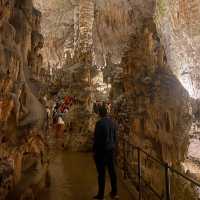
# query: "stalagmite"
x,y
80,117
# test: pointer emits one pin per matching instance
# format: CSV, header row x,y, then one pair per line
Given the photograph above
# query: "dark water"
x,y
73,177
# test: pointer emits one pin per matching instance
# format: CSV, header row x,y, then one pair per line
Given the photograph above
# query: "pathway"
x,y
73,177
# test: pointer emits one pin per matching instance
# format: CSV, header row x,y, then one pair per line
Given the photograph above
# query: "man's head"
x,y
102,111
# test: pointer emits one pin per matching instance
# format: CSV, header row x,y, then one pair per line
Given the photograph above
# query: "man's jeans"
x,y
103,160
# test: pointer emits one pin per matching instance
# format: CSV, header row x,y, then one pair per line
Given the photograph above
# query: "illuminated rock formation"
x,y
21,114
148,50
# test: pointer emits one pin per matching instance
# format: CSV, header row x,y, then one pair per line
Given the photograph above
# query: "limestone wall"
x,y
21,114
153,113
178,25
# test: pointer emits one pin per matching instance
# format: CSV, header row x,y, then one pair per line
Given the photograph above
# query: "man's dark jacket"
x,y
105,136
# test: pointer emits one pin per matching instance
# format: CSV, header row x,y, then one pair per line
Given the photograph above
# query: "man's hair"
x,y
102,111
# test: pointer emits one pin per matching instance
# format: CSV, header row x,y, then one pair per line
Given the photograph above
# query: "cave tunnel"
x,y
114,83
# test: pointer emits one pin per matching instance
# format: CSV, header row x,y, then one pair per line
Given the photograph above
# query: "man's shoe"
x,y
98,197
114,196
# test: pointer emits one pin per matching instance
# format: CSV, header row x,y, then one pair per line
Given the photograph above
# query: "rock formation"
x,y
154,110
21,114
178,25
81,115
147,51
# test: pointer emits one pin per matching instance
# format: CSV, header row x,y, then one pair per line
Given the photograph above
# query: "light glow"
x,y
187,82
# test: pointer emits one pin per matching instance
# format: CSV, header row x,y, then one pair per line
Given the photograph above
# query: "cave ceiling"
x,y
116,20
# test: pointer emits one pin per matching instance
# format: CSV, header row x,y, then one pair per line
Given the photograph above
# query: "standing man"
x,y
104,152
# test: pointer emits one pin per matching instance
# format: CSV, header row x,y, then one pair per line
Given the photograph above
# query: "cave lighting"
x,y
187,83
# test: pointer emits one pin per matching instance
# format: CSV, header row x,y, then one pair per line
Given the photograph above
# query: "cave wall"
x,y
21,115
154,111
58,25
178,26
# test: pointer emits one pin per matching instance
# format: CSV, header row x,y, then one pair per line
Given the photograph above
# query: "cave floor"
x,y
73,177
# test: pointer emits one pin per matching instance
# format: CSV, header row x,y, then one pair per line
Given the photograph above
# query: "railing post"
x,y
167,182
139,173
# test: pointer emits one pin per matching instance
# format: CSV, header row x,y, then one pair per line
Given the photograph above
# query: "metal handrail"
x,y
141,180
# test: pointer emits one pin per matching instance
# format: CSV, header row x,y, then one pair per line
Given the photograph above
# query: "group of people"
x,y
58,122
55,115
60,109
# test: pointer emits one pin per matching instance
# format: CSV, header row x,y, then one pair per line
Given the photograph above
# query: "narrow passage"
x,y
73,177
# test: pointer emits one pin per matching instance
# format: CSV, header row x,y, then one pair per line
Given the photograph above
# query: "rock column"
x,y
80,117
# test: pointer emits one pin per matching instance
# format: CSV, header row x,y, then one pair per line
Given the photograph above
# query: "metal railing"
x,y
128,150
